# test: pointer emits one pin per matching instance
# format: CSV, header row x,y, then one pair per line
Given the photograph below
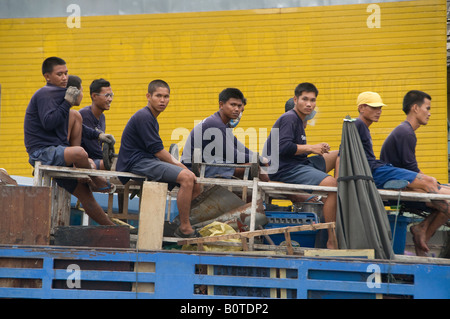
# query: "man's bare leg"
x,y
188,189
77,156
330,160
329,209
423,231
75,128
90,205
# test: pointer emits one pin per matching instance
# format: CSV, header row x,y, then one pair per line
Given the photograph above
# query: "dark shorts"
x,y
54,156
311,173
157,170
216,171
387,173
97,163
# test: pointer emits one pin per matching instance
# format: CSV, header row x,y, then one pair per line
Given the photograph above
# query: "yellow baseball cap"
x,y
372,99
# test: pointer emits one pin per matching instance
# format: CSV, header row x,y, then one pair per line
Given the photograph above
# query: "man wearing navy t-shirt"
x,y
52,132
142,152
399,149
291,163
369,107
94,117
214,137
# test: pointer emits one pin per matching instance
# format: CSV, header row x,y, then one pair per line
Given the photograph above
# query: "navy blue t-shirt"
x,y
140,139
217,142
91,144
366,140
399,148
291,131
46,119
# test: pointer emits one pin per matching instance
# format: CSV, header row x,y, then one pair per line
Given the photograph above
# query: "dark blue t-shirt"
x,y
140,139
91,144
366,140
399,148
217,142
288,131
46,119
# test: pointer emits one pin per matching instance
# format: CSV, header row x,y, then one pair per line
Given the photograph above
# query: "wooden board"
x,y
25,214
354,253
151,226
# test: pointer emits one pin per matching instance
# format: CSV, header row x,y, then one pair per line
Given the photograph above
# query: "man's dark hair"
x,y
231,93
97,85
305,87
153,85
414,97
74,81
49,64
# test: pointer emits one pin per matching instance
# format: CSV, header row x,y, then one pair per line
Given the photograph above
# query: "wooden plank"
x,y
70,172
151,226
151,219
25,213
255,197
278,188
287,237
60,207
268,187
358,253
255,233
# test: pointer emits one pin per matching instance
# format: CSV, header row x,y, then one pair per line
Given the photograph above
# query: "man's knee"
x,y
186,178
329,181
425,182
74,154
75,116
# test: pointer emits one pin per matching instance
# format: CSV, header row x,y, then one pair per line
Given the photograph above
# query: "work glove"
x,y
72,94
106,138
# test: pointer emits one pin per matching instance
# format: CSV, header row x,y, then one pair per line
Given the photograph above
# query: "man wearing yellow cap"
x,y
369,107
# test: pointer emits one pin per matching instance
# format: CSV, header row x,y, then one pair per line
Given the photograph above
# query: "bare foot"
x,y
303,198
331,245
418,235
100,184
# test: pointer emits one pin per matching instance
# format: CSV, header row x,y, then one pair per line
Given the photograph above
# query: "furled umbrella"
x,y
361,220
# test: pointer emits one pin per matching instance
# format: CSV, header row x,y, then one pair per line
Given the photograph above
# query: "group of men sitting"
x,y
56,134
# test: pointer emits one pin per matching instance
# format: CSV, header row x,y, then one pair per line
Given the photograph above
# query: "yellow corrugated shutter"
x,y
265,53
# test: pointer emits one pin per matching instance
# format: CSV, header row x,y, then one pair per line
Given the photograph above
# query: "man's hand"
x,y
72,95
107,138
320,148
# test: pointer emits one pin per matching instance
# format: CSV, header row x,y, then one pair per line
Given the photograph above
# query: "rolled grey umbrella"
x,y
361,220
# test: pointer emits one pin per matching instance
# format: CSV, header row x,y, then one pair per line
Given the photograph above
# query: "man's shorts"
x,y
216,171
156,170
387,173
54,156
97,163
311,173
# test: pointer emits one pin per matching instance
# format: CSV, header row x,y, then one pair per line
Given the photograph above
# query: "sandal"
x,y
179,234
109,188
313,199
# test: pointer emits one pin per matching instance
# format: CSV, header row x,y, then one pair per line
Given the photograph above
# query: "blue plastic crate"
x,y
301,218
285,219
400,232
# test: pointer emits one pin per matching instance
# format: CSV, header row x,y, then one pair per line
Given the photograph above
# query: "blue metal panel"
x,y
178,274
